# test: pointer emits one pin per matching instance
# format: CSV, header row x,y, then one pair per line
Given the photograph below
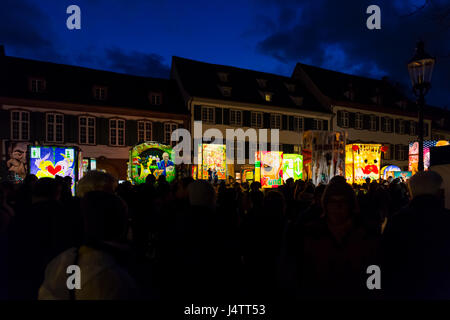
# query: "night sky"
x,y
140,36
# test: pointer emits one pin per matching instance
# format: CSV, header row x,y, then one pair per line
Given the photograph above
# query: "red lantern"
x,y
355,148
384,148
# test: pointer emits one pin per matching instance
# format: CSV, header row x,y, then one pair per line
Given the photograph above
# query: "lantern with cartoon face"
x,y
362,162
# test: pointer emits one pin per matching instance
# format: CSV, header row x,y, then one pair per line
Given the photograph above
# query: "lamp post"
x,y
420,69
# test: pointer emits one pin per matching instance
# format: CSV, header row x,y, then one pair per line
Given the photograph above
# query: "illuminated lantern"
x,y
146,158
362,161
384,148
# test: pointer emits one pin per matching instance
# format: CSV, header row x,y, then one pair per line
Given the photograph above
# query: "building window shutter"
x,y
325,125
226,116
383,124
378,124
102,131
397,126
131,132
266,120
70,128
284,122
366,122
291,123
339,118
218,115
158,131
247,118
308,124
351,119
197,113
407,127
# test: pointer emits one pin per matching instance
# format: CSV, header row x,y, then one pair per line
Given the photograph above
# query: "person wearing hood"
x,y
100,258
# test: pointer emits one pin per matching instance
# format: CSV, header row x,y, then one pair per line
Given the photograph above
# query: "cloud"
x,y
24,30
332,35
137,63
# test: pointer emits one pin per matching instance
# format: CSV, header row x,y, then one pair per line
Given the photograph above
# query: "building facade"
x,y
224,97
103,113
369,110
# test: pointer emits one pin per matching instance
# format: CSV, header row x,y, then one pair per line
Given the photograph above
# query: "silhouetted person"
x,y
99,258
38,234
332,254
416,244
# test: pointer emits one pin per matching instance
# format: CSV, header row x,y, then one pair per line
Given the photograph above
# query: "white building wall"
x,y
379,136
96,151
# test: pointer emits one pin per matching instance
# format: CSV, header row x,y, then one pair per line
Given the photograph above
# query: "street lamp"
x,y
420,69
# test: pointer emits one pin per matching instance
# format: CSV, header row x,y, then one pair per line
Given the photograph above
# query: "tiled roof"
x,y
335,84
202,80
72,84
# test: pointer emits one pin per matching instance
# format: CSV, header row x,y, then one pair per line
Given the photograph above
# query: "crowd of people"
x,y
200,240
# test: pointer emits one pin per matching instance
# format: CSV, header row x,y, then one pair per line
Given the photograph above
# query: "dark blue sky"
x,y
139,37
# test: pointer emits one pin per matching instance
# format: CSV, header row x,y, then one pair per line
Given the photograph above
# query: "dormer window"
x,y
290,87
350,93
37,85
100,93
377,99
297,100
262,83
226,91
402,104
223,76
155,98
267,96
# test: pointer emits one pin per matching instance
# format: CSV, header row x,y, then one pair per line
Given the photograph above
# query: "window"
x,y
262,83
257,120
155,98
387,125
117,132
298,124
412,129
168,129
100,93
297,149
290,87
358,120
373,123
350,93
401,127
317,124
344,119
235,117
20,125
401,152
223,76
144,131
275,121
208,114
55,127
87,130
387,154
377,99
37,85
226,91
297,100
268,97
